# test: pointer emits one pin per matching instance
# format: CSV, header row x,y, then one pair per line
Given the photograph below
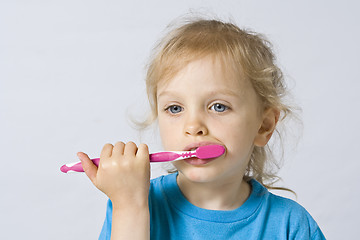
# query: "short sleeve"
x,y
318,235
105,233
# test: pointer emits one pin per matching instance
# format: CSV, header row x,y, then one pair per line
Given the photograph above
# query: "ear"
x,y
267,127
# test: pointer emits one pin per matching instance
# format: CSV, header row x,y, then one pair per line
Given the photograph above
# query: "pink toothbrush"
x,y
203,152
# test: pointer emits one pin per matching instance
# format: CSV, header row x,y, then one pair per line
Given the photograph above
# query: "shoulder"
x,y
157,184
160,189
288,208
156,181
277,204
296,220
163,182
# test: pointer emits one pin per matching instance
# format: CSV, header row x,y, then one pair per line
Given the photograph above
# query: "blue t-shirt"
x,y
263,216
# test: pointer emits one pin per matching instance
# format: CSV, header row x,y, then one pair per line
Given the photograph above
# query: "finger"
x,y
106,152
130,149
143,151
118,149
89,167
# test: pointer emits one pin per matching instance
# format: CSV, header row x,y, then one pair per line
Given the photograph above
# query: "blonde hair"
x,y
249,53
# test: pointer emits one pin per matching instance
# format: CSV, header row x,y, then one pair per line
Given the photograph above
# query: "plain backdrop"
x,y
72,72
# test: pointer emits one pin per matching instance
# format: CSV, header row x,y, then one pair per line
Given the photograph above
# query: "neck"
x,y
218,195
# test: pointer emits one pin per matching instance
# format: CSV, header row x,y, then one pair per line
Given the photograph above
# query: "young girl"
x,y
209,82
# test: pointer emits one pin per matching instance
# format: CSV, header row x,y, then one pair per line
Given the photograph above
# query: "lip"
x,y
197,161
198,144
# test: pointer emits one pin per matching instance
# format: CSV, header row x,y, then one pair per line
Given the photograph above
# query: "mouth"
x,y
194,146
197,161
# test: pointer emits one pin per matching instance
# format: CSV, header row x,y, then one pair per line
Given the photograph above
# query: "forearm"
x,y
131,223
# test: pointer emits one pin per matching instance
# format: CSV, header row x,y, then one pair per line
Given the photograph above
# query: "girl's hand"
x,y
123,173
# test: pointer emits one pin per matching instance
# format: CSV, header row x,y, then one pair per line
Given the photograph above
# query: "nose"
x,y
195,126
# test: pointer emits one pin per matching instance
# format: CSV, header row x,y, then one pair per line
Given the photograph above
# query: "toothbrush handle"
x,y
203,152
164,156
154,157
77,167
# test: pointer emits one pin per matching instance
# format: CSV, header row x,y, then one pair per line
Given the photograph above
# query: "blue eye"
x,y
174,109
218,107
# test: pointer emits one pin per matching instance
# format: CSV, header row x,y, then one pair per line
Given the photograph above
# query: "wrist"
x,y
131,213
130,206
130,222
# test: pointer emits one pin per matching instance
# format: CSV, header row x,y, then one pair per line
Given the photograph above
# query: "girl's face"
x,y
201,105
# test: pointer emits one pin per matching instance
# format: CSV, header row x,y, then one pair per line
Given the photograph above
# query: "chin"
x,y
198,175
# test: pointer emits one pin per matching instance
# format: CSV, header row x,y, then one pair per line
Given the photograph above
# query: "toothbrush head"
x,y
210,151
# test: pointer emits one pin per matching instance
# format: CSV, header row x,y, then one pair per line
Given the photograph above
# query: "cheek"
x,y
168,135
236,134
163,130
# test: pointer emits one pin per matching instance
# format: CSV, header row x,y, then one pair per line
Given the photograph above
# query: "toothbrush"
x,y
203,152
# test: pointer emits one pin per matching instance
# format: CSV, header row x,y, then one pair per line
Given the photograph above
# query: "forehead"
x,y
210,72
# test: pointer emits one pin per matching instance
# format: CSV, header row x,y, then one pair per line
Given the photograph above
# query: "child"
x,y
209,82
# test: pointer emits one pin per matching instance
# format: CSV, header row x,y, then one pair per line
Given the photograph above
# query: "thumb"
x,y
89,167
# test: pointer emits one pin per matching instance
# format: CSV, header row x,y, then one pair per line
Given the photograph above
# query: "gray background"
x,y
72,71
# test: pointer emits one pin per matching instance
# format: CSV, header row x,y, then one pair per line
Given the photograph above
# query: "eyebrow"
x,y
220,91
226,92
